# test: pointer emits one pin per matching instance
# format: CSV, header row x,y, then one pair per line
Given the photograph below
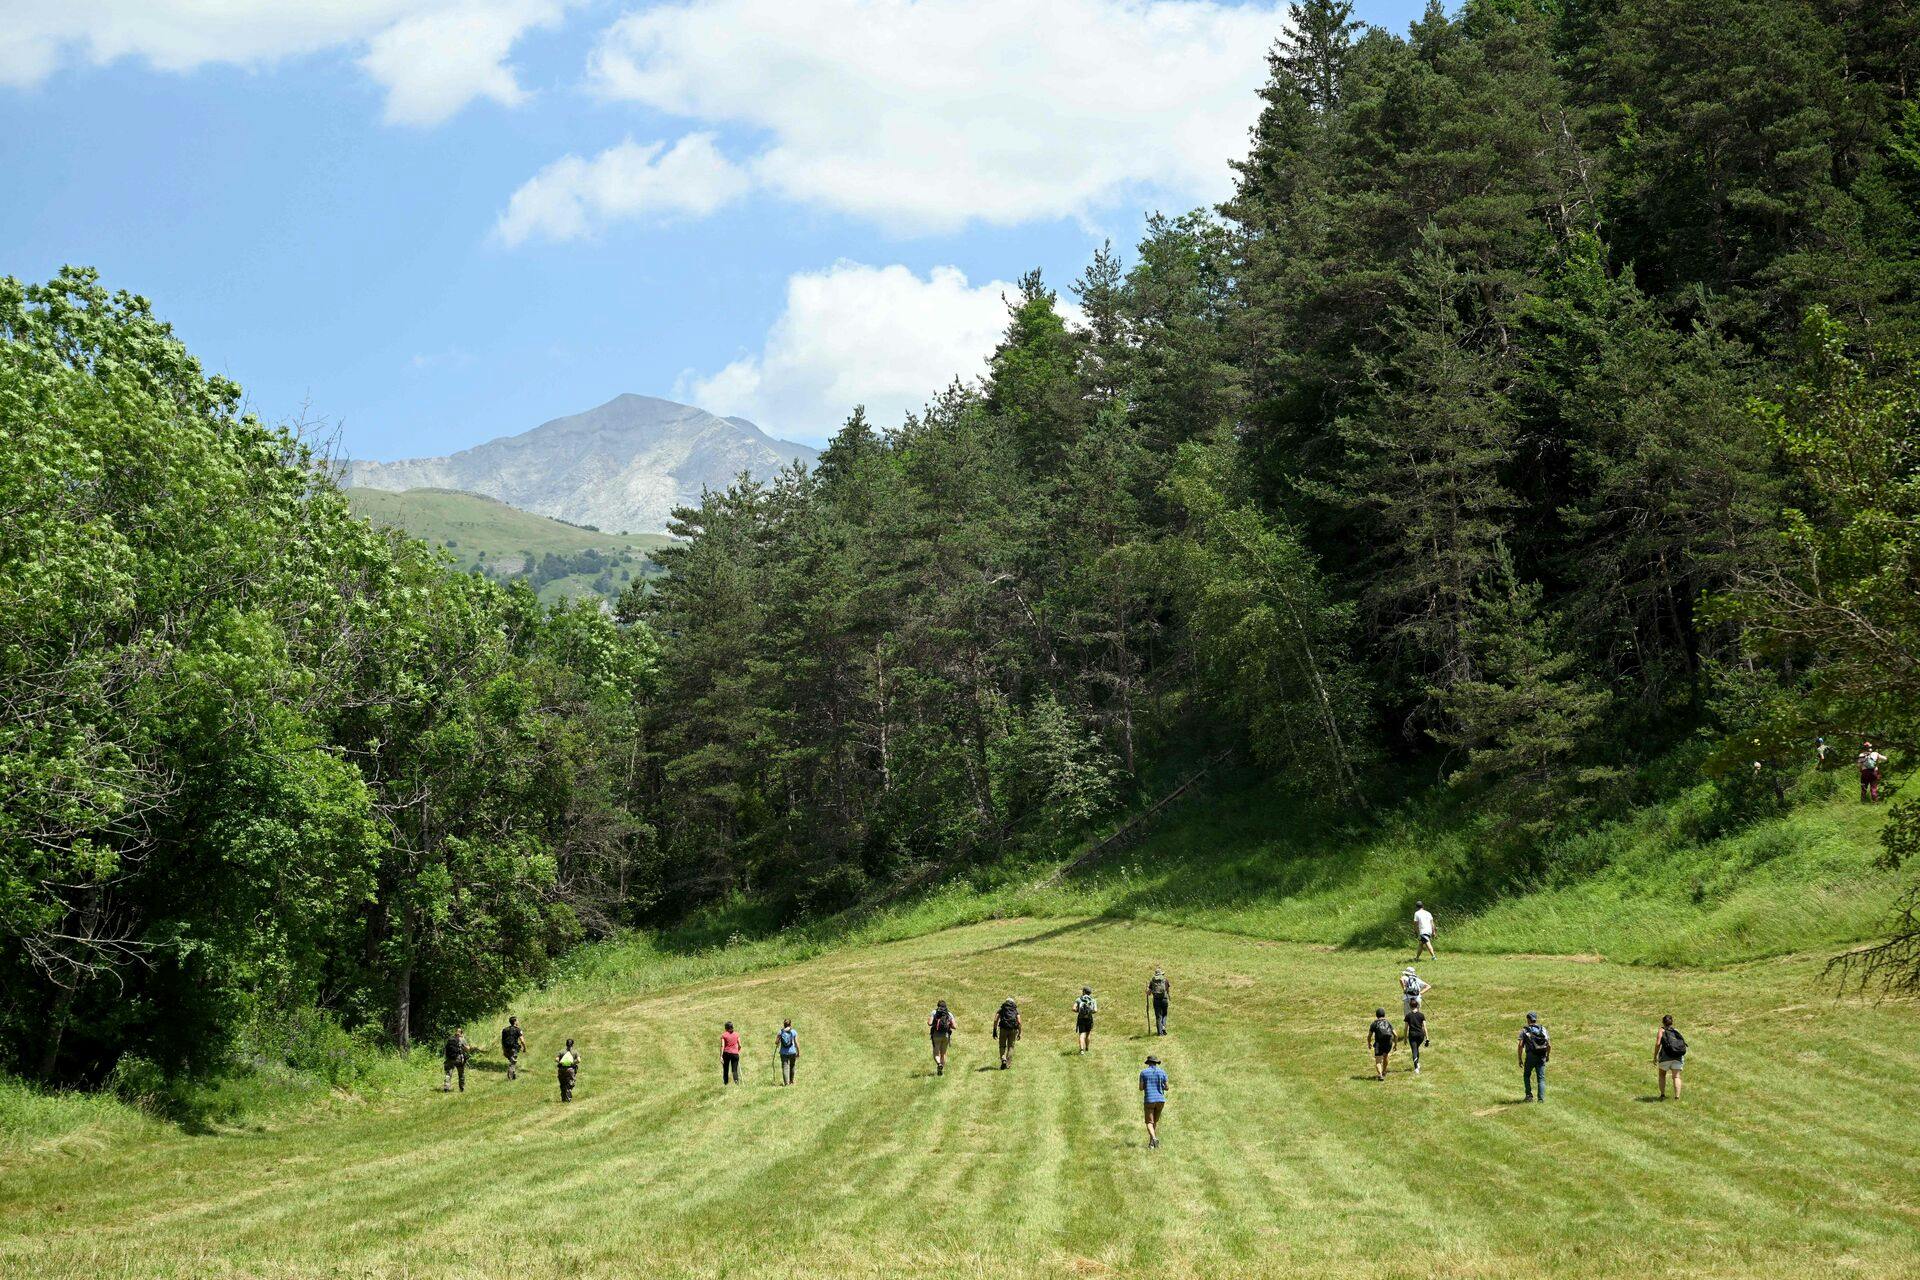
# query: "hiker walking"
x,y
1380,1038
1084,1007
1871,762
1423,931
729,1055
512,1041
1821,752
1153,1097
1412,987
567,1064
940,1031
453,1059
1159,991
1669,1055
1007,1023
1416,1031
789,1051
1534,1049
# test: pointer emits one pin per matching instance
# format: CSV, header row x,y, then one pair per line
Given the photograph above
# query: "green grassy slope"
x,y
480,530
1793,1152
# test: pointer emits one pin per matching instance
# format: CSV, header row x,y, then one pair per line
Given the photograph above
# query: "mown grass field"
x,y
1795,1151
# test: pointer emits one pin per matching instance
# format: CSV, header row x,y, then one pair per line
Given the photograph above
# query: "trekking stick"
x,y
1149,1013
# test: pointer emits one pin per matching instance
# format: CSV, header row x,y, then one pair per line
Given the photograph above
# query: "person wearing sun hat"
x,y
1153,1094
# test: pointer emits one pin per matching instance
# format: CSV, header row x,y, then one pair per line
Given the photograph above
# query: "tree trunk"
x,y
50,1053
403,1006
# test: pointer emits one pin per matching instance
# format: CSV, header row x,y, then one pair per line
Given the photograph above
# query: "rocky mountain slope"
x,y
622,466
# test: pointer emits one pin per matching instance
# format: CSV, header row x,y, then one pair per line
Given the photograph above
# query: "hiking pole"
x,y
1149,1013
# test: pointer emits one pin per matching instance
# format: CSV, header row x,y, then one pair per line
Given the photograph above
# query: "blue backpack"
x,y
787,1041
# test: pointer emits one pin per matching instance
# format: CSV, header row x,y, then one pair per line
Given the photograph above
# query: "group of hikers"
x,y
1871,761
1532,1049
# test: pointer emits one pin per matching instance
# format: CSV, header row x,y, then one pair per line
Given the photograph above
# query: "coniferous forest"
x,y
1544,402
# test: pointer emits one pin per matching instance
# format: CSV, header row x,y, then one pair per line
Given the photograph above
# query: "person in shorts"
x,y
1423,931
1669,1055
1153,1097
1084,1007
940,1031
1380,1037
729,1055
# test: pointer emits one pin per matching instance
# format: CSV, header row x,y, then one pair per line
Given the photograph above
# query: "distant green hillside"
x,y
505,542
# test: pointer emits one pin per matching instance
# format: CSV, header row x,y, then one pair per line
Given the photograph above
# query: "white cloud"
x,y
853,334
431,56
929,114
572,197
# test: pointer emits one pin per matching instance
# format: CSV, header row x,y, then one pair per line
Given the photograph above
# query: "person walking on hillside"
x,y
1159,994
1380,1038
1153,1097
729,1055
1423,931
1534,1048
1416,1032
512,1041
567,1064
1871,763
1412,987
453,1059
940,1031
789,1051
1084,1007
1007,1023
1669,1055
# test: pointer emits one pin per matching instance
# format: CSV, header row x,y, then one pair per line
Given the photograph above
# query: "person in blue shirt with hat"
x,y
1153,1091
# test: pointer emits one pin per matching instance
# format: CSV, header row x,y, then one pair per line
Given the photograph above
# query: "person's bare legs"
x,y
1663,1083
1153,1123
1426,949
1380,1066
1676,1085
1084,1037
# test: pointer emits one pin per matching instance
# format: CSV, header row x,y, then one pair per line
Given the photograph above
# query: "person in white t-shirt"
x,y
1423,930
1412,987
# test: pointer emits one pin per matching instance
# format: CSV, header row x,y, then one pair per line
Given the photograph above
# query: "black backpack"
x,y
1535,1037
1382,1031
942,1022
1009,1015
1672,1044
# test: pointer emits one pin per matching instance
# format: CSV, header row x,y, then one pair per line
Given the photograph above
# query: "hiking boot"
x,y
1152,1143
939,1068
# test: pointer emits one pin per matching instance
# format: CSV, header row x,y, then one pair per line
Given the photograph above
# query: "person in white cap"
x,y
1412,987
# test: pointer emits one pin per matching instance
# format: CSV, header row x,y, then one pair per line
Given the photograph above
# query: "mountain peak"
x,y
625,464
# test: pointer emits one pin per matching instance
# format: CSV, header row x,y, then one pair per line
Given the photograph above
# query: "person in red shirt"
x,y
729,1056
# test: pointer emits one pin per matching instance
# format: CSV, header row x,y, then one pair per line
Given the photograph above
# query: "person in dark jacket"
x,y
1416,1030
512,1041
454,1059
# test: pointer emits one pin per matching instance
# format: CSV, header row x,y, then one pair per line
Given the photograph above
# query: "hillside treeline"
x,y
1544,396
257,757
1455,445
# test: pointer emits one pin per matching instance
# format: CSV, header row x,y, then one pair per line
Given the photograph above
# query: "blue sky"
x,y
422,225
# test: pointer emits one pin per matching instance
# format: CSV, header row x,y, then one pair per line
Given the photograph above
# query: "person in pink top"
x,y
729,1056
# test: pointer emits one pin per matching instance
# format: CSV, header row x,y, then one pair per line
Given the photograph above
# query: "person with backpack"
x,y
567,1064
1423,931
453,1058
789,1042
1871,762
1007,1023
512,1041
1534,1049
1381,1038
1416,1031
940,1031
1153,1097
729,1055
1669,1055
1084,1007
1159,993
1412,987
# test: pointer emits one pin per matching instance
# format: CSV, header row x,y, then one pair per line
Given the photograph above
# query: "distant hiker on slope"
x,y
1159,992
1423,931
1153,1096
789,1042
1084,1007
940,1031
1871,762
453,1059
512,1041
1380,1038
1411,988
1007,1023
1669,1055
567,1064
1534,1049
729,1055
1416,1031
